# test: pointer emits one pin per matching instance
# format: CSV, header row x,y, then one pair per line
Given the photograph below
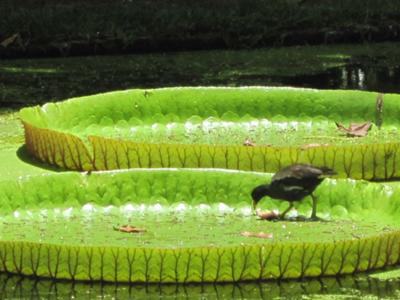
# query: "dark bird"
x,y
293,183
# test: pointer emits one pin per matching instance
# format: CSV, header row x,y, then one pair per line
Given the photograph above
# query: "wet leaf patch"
x,y
171,229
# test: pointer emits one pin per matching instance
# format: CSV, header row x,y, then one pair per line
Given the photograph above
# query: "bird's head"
x,y
258,193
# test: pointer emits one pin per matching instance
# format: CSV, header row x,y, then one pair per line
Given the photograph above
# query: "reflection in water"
x,y
15,287
356,76
353,77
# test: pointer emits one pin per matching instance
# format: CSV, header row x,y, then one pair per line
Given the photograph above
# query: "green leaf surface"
x,y
114,131
61,226
194,217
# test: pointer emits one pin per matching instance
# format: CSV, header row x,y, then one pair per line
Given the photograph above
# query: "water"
x,y
351,287
374,67
353,77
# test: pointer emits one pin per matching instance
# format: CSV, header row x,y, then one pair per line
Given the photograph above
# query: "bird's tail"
x,y
327,171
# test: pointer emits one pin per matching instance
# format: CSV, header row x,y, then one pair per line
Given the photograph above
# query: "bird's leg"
x,y
287,210
314,207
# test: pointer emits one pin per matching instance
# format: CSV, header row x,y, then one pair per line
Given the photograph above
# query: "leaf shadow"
x,y
23,154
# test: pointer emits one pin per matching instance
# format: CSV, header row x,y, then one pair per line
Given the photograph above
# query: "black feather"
x,y
292,183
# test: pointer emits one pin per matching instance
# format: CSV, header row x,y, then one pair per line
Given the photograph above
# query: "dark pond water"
x,y
352,287
355,77
374,67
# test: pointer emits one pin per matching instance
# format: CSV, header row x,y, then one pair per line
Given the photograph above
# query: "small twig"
x,y
379,110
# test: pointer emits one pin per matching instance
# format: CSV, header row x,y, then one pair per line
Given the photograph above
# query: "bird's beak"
x,y
254,205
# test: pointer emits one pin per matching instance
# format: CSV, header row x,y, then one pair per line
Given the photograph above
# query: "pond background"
x,y
373,67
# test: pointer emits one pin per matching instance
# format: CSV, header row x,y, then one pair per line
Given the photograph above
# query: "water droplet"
x,y
246,211
68,212
156,208
223,208
88,208
204,207
180,207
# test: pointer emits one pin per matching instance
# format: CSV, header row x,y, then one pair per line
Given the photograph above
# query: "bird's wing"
x,y
292,188
297,172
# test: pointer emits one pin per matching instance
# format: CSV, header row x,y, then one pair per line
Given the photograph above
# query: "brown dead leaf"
x,y
267,215
264,235
261,235
129,229
355,129
312,145
8,41
248,142
246,233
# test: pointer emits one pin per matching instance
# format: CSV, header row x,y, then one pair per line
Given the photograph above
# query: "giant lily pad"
x,y
197,225
207,127
62,226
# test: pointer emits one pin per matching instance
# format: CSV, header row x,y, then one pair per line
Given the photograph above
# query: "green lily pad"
x,y
62,226
154,128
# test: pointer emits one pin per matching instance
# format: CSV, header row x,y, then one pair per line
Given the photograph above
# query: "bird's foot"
x,y
300,218
316,219
281,217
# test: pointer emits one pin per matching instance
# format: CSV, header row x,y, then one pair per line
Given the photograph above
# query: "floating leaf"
x,y
129,229
355,129
87,151
261,235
